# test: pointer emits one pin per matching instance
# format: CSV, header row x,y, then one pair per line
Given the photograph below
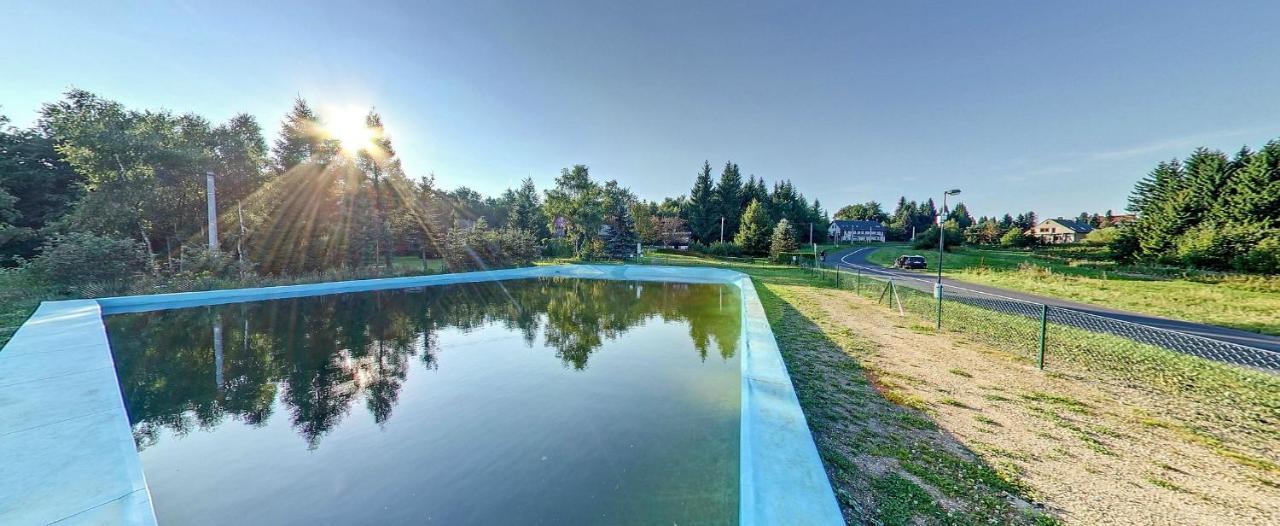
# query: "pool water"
x,y
536,401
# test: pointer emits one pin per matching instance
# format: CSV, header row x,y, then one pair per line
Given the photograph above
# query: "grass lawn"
x,y
959,427
414,263
1249,303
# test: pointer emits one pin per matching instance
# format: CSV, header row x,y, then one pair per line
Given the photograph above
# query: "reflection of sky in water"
x,y
488,423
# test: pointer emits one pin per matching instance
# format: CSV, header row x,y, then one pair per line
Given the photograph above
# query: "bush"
x,y
198,261
558,247
723,250
929,239
800,256
1124,246
1102,236
482,249
1015,237
1263,257
81,258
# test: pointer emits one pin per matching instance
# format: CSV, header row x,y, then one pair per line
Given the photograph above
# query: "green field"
x,y
1081,273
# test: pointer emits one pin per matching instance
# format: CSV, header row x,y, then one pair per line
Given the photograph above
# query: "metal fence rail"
x,y
1038,329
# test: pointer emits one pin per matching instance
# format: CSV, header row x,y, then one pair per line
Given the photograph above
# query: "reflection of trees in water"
x,y
327,352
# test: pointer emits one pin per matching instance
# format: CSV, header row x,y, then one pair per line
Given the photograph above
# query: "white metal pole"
x,y
213,213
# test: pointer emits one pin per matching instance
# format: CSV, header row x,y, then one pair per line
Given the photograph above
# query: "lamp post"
x,y
942,237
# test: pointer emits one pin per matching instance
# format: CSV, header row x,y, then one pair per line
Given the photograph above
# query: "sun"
x,y
348,127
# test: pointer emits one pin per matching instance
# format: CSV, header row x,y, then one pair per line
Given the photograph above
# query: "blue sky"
x,y
1023,105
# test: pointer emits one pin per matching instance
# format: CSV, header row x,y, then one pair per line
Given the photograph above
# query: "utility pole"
x,y
213,213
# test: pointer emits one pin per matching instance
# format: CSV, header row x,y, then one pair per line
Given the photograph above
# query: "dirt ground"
x,y
1088,451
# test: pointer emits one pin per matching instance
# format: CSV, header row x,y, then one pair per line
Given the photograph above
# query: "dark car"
x,y
910,262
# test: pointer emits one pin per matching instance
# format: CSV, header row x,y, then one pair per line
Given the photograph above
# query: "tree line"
x,y
1210,210
97,191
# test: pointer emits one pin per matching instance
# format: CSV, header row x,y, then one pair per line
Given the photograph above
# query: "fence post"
x,y
1044,319
939,324
837,277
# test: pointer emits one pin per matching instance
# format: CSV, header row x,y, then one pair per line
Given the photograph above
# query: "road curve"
x,y
856,258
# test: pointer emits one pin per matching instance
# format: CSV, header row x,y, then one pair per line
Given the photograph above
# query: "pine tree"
x,y
1255,192
754,190
1207,174
525,211
753,234
819,222
301,139
729,195
703,219
783,239
620,241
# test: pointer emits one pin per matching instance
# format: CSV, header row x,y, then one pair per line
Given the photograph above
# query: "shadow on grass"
x,y
888,461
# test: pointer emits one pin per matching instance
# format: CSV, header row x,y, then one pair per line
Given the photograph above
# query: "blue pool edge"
x,y
71,458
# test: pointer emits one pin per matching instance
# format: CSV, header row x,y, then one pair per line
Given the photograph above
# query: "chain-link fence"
x,y
1043,332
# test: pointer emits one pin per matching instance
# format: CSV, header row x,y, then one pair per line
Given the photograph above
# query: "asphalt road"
x,y
856,258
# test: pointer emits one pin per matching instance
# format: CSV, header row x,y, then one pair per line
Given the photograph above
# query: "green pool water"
x,y
537,401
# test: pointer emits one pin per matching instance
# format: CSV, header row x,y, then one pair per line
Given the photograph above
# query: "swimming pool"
x,y
573,394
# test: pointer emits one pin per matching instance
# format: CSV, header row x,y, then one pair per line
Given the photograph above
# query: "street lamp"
x,y
942,236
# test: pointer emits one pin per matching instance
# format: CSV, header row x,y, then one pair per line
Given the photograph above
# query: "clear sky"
x,y
1025,106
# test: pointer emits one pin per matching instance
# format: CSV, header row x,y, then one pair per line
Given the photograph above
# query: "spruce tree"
x,y
525,211
753,234
621,239
729,195
301,139
703,219
1255,192
783,239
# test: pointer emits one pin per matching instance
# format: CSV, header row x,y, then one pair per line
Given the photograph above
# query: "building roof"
x,y
1076,226
846,224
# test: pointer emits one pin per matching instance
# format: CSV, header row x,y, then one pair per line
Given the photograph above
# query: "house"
x,y
1117,220
842,230
1058,230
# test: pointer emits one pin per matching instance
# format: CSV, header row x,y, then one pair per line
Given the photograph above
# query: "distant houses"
x,y
1058,230
842,230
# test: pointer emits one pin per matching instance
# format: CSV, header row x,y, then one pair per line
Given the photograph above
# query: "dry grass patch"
x,y
1093,451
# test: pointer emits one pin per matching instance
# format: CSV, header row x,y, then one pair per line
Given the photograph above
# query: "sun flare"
x,y
349,128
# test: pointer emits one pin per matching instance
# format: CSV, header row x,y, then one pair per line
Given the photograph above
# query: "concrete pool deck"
x,y
67,454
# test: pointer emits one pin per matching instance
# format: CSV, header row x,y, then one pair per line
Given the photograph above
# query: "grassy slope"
x,y
891,462
855,424
1248,303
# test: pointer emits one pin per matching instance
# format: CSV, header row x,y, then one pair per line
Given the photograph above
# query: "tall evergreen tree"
x,y
783,239
1255,192
753,234
702,214
729,196
525,211
621,237
301,139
